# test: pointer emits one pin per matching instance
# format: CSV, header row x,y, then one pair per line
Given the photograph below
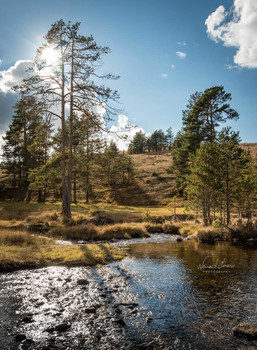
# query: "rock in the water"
x,y
27,319
20,337
120,321
179,239
247,330
49,330
82,282
63,327
90,310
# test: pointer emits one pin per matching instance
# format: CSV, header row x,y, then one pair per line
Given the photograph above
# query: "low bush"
x,y
210,235
169,227
90,232
153,228
207,235
125,230
40,227
86,232
243,232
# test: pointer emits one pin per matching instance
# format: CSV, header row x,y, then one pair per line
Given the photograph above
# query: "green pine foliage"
x,y
222,178
204,113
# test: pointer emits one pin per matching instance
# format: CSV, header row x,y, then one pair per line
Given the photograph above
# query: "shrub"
x,y
41,227
243,232
169,227
147,217
154,228
86,232
120,231
207,235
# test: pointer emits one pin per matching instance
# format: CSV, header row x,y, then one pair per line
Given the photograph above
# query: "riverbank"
x,y
29,231
21,250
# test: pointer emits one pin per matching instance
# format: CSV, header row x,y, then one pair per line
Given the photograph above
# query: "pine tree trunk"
x,y
205,211
227,197
75,191
66,209
70,162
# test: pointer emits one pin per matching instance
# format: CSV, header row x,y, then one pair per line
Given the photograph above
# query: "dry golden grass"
x,y
125,230
29,213
21,250
153,184
170,227
90,232
209,234
20,238
252,148
85,233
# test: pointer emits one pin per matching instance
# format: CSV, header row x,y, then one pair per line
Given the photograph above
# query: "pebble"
x,y
82,281
63,327
20,337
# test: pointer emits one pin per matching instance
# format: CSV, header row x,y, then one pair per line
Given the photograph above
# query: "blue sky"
x,y
145,38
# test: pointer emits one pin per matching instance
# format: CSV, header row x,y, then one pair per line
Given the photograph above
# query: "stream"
x,y
168,295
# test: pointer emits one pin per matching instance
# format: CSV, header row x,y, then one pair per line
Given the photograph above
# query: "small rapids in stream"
x,y
168,295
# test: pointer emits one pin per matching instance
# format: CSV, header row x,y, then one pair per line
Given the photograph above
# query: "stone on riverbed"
x,y
82,282
120,322
91,310
247,330
20,337
63,327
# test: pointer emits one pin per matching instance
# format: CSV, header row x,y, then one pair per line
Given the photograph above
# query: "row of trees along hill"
x,y
211,169
33,155
157,141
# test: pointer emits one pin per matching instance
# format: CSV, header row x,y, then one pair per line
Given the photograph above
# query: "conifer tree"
x,y
27,142
71,81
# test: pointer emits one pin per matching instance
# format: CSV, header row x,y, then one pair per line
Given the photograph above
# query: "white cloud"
x,y
1,61
181,55
122,121
236,28
182,43
230,66
172,66
213,22
13,75
164,75
122,133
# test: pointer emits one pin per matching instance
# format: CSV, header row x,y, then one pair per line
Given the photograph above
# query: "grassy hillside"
x,y
152,186
252,147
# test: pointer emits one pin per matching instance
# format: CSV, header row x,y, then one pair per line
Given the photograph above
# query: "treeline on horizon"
x,y
157,141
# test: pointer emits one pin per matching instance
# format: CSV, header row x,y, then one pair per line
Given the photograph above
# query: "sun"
x,y
50,55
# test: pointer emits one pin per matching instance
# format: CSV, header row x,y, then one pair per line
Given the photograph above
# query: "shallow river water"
x,y
168,295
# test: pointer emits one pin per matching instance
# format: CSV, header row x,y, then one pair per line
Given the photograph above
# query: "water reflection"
x,y
158,299
195,292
